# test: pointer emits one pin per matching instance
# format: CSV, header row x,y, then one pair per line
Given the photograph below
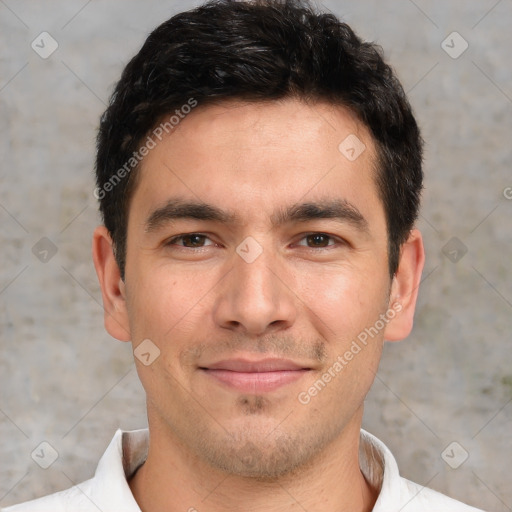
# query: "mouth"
x,y
254,376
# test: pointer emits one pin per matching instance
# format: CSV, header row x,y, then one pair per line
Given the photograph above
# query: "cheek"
x,y
167,309
165,301
342,301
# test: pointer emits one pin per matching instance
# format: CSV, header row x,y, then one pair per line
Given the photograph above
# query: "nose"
x,y
256,298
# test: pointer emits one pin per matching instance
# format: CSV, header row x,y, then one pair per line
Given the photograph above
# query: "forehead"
x,y
255,155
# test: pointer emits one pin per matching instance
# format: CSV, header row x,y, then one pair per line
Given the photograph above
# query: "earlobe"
x,y
112,287
404,289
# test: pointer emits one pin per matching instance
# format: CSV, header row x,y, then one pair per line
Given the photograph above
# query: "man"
x,y
259,174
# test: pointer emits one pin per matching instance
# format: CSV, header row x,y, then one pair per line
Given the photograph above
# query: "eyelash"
x,y
173,240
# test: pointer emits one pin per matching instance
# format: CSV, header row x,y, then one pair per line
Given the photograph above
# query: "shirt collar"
x,y
125,453
380,469
128,450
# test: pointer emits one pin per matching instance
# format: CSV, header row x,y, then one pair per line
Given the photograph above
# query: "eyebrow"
x,y
337,209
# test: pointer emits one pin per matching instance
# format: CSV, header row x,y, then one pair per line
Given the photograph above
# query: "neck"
x,y
173,479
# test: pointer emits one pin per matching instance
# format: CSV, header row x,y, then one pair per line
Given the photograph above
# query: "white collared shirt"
x,y
108,490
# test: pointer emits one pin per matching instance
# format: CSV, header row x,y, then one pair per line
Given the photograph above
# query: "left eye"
x,y
318,240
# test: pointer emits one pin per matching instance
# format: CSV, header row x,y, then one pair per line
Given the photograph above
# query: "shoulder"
x,y
108,490
417,498
397,493
74,498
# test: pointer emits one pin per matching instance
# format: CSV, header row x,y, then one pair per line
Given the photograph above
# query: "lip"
x,y
255,376
263,365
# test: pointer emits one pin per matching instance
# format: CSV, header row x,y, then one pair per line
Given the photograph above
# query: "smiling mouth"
x,y
254,376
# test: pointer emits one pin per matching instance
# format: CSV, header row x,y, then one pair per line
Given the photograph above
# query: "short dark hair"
x,y
259,51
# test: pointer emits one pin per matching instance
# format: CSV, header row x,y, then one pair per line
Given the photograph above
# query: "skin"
x,y
303,298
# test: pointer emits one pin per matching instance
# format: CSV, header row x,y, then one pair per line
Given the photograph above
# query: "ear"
x,y
404,288
112,286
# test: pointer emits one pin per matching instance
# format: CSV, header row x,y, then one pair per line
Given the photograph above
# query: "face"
x,y
257,267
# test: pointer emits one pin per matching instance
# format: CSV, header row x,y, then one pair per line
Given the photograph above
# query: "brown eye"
x,y
194,240
318,240
189,240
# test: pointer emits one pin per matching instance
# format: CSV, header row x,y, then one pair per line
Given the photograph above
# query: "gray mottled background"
x,y
65,381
